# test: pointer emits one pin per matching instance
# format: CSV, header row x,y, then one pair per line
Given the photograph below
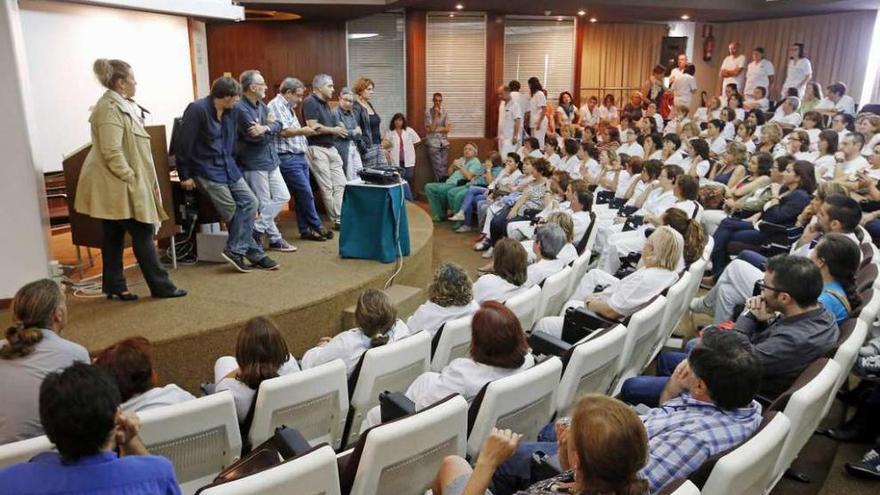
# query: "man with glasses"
x,y
850,162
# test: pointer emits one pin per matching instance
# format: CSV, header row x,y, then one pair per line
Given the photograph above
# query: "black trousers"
x,y
144,250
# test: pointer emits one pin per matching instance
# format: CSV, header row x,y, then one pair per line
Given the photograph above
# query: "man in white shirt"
x,y
549,240
836,100
733,68
630,146
800,70
760,73
849,158
757,98
684,86
509,122
787,115
682,63
587,113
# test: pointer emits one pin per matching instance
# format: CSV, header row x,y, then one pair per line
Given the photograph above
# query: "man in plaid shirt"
x,y
706,408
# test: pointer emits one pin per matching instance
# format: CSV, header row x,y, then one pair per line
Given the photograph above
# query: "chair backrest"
x,y
578,270
23,450
523,403
312,401
453,341
804,409
402,456
392,367
313,473
585,244
553,294
200,437
846,354
685,488
870,306
677,302
748,469
591,368
707,250
524,306
866,277
640,335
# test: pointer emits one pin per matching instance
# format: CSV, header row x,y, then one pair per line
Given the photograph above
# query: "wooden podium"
x,y
86,231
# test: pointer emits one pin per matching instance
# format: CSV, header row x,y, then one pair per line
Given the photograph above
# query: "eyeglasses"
x,y
763,285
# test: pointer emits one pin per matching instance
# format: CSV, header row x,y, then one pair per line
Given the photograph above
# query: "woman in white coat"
x,y
450,296
377,324
403,146
509,264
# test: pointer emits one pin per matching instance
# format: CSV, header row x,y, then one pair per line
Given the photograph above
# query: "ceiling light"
x,y
360,36
451,14
559,19
459,6
685,17
582,12
593,19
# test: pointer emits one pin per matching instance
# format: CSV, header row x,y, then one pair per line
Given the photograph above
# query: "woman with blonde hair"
x,y
450,296
118,184
33,348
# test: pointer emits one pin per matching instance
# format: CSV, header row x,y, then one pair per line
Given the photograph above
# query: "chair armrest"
x,y
290,442
395,405
208,388
544,343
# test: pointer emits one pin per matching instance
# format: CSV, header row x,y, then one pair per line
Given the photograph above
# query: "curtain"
x,y
618,58
376,51
836,44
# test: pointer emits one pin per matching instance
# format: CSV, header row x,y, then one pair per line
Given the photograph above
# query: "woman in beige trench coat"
x,y
118,184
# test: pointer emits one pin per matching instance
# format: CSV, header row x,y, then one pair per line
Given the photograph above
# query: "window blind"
x,y
543,48
376,48
456,67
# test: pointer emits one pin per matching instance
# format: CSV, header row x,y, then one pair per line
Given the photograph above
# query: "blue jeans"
x,y
408,174
873,228
237,205
515,473
295,170
469,206
753,258
647,389
732,230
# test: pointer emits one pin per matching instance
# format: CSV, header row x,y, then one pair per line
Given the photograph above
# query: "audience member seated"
x,y
130,363
697,162
509,273
450,296
498,349
739,197
868,125
463,172
88,434
568,253
500,185
261,353
787,115
33,348
868,183
850,161
836,100
549,241
377,324
616,299
708,408
602,452
496,202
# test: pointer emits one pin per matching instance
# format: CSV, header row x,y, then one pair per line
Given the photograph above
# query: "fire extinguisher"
x,y
708,43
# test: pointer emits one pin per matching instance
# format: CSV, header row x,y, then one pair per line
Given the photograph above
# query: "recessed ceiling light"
x,y
459,6
360,36
559,19
582,12
593,19
451,14
685,17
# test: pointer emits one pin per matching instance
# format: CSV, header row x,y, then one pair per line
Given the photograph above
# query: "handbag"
x,y
373,157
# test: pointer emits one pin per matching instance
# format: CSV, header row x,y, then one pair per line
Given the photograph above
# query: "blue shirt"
x,y
101,474
833,303
207,145
255,153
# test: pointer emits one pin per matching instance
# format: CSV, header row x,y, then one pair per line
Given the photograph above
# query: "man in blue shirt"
x,y
258,158
79,409
205,157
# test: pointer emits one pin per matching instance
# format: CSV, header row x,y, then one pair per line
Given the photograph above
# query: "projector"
x,y
380,175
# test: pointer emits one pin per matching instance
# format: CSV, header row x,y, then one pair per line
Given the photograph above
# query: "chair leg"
x,y
797,476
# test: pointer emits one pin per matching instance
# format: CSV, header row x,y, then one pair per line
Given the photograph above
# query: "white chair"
x,y
402,456
523,402
578,270
200,437
846,355
23,450
553,294
591,368
454,341
640,335
312,473
748,469
524,306
804,410
707,251
392,367
313,401
687,488
677,302
871,309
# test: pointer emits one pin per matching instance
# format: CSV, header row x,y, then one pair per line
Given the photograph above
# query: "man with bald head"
x,y
733,68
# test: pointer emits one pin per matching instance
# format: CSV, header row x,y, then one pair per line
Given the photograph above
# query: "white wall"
x,y
62,40
200,55
684,28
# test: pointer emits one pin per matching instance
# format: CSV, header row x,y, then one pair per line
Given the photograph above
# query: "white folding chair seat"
x,y
640,336
804,409
312,401
401,457
687,488
23,450
453,341
578,270
707,251
200,437
677,302
523,403
591,368
846,355
392,367
524,306
871,308
553,294
748,469
312,473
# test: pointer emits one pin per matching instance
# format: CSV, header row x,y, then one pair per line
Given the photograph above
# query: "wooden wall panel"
x,y
416,33
494,70
278,50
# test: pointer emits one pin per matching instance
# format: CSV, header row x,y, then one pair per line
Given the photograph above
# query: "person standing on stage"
x,y
325,160
205,158
437,139
509,122
118,184
348,146
257,157
292,146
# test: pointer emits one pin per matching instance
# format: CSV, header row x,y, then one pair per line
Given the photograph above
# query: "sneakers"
x,y
487,268
237,261
698,306
458,217
868,467
870,365
464,229
482,245
266,263
282,246
488,253
312,235
871,348
327,234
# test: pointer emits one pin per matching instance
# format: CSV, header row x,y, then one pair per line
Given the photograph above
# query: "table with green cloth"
x,y
373,222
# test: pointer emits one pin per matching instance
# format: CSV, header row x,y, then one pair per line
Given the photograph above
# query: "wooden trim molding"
x,y
192,56
580,32
494,70
416,68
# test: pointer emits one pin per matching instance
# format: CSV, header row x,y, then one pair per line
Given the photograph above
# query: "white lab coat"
x,y
431,316
492,287
538,272
348,346
410,138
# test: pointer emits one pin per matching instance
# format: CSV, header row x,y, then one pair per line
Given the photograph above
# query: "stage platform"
x,y
306,297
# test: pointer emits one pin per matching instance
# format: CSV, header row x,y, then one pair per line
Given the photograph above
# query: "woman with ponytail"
x,y
118,184
690,230
602,451
838,258
32,349
377,325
